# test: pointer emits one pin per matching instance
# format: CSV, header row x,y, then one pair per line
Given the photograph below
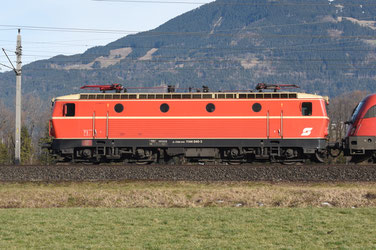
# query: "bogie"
x,y
143,155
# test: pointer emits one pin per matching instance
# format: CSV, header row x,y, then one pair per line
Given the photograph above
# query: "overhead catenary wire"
x,y
203,33
285,49
215,59
301,68
271,3
153,2
218,32
168,46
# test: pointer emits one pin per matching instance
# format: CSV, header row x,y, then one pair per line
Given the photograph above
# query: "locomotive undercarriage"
x,y
181,151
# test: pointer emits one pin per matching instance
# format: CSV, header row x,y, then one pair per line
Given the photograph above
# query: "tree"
x,y
6,132
4,157
45,156
340,110
27,151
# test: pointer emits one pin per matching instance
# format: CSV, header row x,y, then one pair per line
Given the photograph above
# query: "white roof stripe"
x,y
299,96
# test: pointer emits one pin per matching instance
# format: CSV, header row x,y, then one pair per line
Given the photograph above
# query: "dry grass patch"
x,y
186,194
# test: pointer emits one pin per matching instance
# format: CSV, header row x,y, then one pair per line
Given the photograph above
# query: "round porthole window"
x,y
119,108
210,107
256,107
165,108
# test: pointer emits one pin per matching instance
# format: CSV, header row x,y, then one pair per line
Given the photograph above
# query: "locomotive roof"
x,y
202,95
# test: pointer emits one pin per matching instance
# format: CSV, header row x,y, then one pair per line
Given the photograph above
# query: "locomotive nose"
x,y
51,129
352,130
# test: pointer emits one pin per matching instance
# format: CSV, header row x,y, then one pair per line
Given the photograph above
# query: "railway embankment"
x,y
272,173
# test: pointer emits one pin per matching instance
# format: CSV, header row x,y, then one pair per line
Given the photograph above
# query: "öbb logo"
x,y
306,131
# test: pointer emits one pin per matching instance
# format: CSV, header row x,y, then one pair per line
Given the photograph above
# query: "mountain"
x,y
326,47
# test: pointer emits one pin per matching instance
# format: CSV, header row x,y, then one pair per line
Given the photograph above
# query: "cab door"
x,y
100,121
275,118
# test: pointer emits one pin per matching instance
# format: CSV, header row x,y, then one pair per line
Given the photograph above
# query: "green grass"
x,y
188,228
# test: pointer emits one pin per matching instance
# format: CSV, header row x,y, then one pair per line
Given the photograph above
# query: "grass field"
x,y
188,228
187,215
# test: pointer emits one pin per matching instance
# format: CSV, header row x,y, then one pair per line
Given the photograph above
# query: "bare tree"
x,y
35,116
340,110
6,130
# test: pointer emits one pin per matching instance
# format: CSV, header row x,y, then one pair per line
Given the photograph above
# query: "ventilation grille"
x,y
191,96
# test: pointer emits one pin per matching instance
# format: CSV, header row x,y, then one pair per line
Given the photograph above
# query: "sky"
x,y
67,27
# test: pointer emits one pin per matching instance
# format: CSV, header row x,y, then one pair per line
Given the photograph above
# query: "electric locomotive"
x,y
360,140
232,127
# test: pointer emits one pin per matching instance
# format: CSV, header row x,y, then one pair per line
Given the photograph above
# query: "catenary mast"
x,y
17,151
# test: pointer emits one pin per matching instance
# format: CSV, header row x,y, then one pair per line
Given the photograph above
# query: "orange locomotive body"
x,y
231,127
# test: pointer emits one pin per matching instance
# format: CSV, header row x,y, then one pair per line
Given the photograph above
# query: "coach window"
x,y
165,108
371,113
256,107
307,108
210,107
119,108
69,109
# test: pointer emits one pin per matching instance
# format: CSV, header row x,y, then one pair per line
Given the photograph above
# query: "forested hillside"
x,y
324,46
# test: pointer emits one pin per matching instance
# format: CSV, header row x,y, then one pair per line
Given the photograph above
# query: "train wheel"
x,y
291,156
177,160
234,162
143,162
293,162
233,156
320,156
147,161
145,157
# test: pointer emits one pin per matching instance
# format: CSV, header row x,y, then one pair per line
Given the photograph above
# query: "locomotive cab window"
x,y
371,113
307,108
69,109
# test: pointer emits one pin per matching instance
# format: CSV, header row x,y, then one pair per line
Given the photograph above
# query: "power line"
x,y
61,29
284,51
276,69
213,58
233,3
154,2
228,32
202,59
285,48
168,47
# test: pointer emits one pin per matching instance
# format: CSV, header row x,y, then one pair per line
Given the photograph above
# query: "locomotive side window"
x,y
69,109
210,107
371,113
164,107
307,108
256,107
119,108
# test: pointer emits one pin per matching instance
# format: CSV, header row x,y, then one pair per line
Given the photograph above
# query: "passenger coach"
x,y
360,141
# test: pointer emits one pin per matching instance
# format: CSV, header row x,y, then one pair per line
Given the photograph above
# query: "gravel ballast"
x,y
303,173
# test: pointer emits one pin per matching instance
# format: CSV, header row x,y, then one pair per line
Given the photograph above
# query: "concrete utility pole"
x,y
18,71
17,150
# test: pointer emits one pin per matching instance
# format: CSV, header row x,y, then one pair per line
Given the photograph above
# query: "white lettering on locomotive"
x,y
306,131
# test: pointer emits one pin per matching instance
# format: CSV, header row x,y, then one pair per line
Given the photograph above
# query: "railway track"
x,y
77,173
